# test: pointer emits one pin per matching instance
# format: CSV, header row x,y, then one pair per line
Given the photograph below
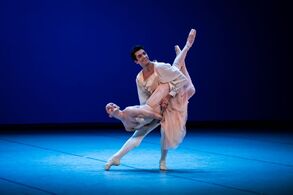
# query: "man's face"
x,y
142,57
111,108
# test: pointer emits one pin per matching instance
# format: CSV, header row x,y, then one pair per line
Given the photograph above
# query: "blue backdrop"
x,y
62,61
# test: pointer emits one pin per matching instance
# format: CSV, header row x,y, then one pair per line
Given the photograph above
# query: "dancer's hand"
x,y
165,102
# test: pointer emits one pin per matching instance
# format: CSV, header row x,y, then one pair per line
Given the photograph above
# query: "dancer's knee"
x,y
136,141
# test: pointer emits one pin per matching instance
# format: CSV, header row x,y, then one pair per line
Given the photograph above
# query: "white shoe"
x,y
190,38
177,49
112,161
163,166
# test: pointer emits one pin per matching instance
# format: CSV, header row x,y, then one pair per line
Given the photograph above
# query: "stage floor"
x,y
205,163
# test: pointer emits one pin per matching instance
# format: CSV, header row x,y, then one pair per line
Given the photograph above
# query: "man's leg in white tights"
x,y
164,152
130,144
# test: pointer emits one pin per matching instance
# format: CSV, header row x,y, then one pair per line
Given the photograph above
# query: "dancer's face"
x,y
142,57
111,108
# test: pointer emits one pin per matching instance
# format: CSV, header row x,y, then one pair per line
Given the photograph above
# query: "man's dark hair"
x,y
135,49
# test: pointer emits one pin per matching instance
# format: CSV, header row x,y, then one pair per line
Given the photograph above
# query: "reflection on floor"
x,y
205,163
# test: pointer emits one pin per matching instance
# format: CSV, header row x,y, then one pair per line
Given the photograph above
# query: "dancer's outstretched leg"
x,y
183,65
156,98
130,144
180,58
190,89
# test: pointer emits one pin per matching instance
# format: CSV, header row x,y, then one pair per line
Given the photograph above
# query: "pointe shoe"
x,y
191,38
177,49
112,161
163,166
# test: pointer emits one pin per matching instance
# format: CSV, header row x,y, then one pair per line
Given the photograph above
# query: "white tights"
x,y
135,141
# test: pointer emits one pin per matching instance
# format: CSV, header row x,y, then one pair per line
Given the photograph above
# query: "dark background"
x,y
62,61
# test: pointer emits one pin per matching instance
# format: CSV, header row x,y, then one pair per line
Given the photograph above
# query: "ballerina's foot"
x,y
177,49
191,38
163,166
112,161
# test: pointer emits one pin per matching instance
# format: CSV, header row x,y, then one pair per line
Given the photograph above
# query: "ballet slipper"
x,y
177,49
190,38
112,161
163,166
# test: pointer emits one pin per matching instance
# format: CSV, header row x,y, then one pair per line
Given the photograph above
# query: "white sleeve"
x,y
142,94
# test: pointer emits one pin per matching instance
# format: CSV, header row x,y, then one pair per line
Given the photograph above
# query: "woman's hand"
x,y
165,101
